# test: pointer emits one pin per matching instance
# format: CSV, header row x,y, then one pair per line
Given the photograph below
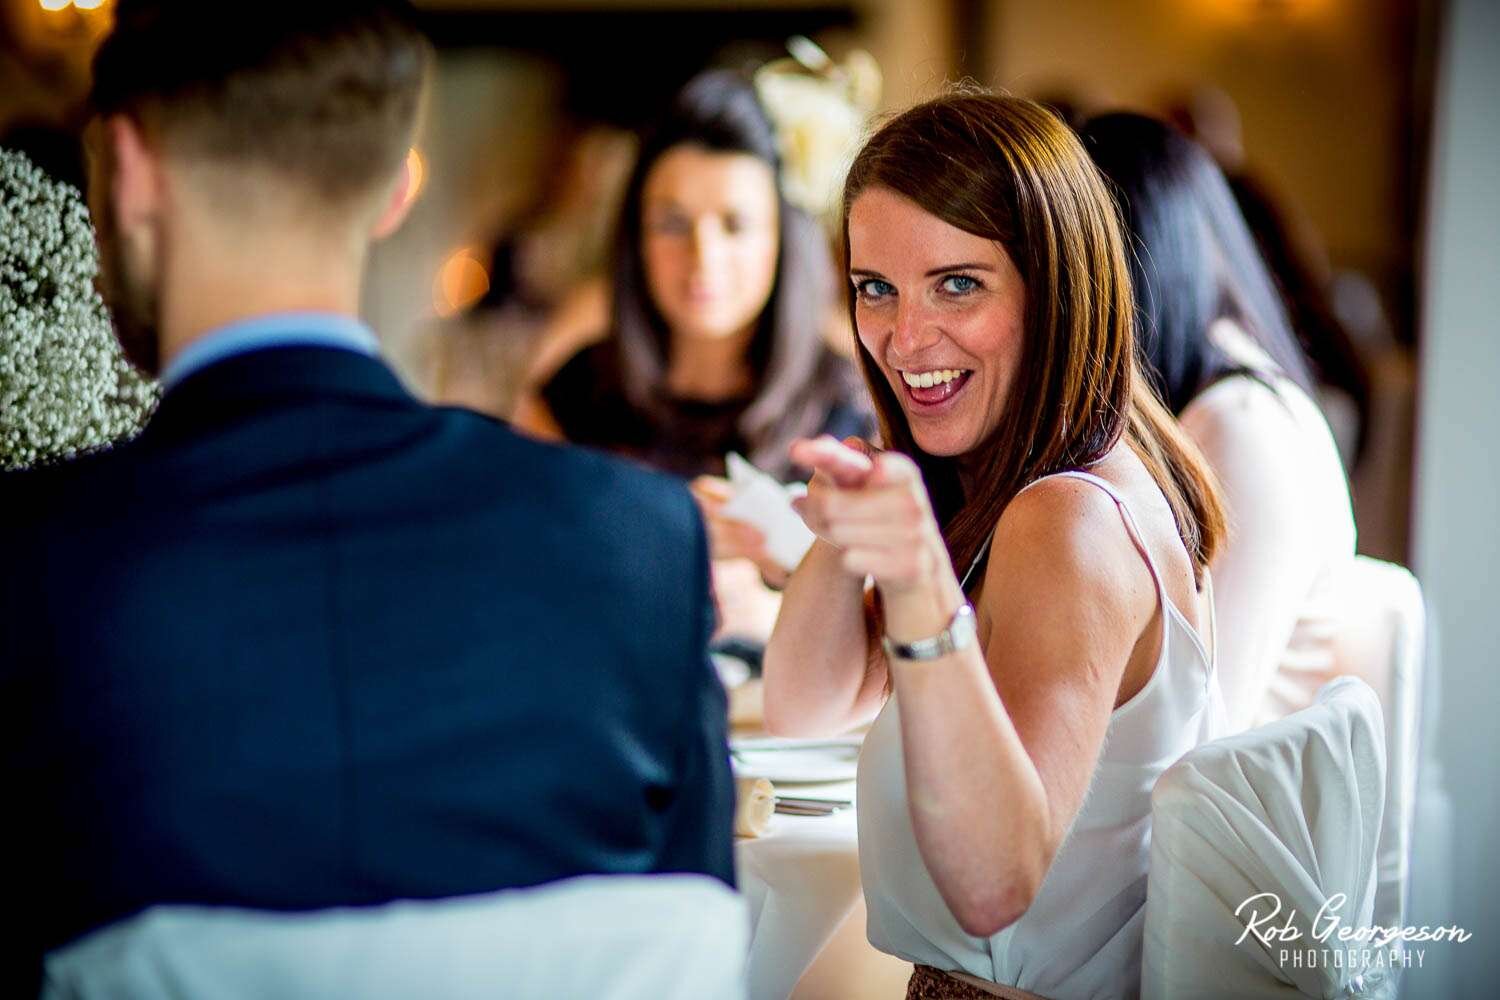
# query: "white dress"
x,y
1282,567
1081,937
1280,584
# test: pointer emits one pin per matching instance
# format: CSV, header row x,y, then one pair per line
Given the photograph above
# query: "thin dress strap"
x,y
1139,541
963,584
1130,522
1135,534
1131,528
1167,607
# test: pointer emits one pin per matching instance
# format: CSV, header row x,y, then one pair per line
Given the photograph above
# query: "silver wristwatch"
x,y
960,633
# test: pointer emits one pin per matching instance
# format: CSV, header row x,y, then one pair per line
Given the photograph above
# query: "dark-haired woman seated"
x,y
722,290
1216,337
1036,641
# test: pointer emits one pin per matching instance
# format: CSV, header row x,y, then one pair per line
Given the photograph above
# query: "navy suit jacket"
x,y
309,642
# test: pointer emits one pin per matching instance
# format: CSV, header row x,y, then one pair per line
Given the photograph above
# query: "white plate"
x,y
797,765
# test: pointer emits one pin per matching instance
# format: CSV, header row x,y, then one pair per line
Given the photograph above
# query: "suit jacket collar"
x,y
275,376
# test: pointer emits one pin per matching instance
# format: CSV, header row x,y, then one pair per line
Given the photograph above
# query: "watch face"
x,y
963,630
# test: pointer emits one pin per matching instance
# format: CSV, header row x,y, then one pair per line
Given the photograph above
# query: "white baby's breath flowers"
x,y
65,387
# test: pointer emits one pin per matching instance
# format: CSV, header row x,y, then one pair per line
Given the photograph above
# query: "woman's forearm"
x,y
978,808
815,666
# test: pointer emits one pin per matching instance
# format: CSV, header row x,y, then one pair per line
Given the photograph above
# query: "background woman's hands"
x,y
873,506
741,566
730,538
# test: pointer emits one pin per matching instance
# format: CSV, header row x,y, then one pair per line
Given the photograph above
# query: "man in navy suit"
x,y
307,641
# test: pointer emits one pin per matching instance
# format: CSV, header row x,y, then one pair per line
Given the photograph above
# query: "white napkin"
x,y
761,500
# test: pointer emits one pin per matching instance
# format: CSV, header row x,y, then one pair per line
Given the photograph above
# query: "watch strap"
x,y
960,633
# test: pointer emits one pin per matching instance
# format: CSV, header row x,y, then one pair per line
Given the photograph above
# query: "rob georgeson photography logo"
x,y
1331,943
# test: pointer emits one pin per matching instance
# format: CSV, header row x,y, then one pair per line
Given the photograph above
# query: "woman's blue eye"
x,y
959,283
873,288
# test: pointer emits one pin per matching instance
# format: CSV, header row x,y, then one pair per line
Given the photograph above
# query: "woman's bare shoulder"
x,y
1066,592
1261,441
1231,402
1063,538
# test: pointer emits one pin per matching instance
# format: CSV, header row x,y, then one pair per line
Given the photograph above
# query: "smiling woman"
x,y
1031,471
1047,230
964,303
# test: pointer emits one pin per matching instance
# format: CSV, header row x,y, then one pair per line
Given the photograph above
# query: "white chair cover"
x,y
618,937
1292,808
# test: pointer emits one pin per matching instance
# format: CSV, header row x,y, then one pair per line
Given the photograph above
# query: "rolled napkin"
x,y
761,500
754,803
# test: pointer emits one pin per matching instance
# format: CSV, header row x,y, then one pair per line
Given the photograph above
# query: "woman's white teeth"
x,y
926,380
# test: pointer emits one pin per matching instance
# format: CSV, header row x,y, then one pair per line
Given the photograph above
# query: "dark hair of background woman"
x,y
1193,260
794,374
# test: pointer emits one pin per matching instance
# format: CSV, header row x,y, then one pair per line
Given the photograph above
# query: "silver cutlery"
x,y
792,805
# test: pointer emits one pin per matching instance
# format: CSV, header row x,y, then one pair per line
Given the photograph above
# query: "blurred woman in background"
x,y
722,290
1216,338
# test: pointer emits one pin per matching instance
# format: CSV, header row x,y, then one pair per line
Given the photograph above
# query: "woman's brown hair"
x,y
1008,170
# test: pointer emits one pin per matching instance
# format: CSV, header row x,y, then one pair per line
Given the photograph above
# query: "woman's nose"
x,y
913,333
708,241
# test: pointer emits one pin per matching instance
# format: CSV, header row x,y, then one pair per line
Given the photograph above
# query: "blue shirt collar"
x,y
287,329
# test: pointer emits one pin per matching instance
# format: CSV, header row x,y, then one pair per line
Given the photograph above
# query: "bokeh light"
x,y
461,282
416,169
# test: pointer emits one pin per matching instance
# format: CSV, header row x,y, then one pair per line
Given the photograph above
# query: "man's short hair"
x,y
325,92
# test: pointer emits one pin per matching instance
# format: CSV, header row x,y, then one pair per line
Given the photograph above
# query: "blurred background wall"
x,y
1458,497
1325,91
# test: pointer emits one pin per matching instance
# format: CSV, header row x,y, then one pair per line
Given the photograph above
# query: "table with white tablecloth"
x,y
801,880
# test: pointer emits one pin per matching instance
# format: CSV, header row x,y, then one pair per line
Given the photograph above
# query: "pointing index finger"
x,y
846,467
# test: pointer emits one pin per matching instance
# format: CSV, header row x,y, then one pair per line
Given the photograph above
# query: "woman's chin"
x,y
708,325
941,445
